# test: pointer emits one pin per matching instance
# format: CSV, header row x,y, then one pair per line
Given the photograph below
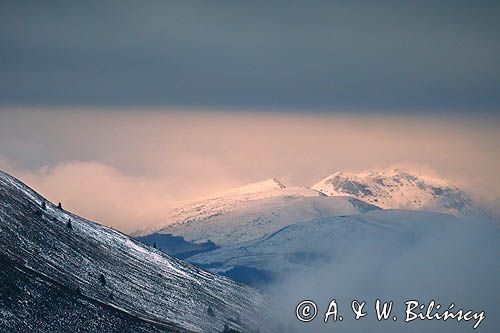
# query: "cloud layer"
x,y
126,169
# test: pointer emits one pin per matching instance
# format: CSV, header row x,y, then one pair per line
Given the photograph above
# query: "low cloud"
x,y
105,194
456,264
127,168
101,193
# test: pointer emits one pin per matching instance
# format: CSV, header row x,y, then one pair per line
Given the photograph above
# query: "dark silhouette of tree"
x,y
102,280
227,329
154,245
59,205
68,224
210,312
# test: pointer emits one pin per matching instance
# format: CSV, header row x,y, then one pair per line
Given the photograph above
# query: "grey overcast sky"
x,y
324,55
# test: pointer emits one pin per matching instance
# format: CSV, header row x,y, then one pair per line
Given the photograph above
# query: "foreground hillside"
x,y
31,302
60,263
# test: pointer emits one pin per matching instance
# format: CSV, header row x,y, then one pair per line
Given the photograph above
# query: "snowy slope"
x,y
254,211
383,254
139,282
30,302
400,190
322,240
227,201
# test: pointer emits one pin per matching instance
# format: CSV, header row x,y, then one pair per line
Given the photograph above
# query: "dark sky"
x,y
252,54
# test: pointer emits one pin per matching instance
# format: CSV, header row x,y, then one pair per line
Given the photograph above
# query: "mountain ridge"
x,y
399,189
259,205
319,240
224,202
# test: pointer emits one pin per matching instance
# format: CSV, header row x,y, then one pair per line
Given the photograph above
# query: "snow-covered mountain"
x,y
221,203
399,190
392,254
322,240
58,269
251,212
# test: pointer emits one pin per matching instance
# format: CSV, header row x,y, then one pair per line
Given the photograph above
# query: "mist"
x,y
451,263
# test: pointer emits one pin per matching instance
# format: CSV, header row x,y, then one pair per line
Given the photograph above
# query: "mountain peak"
x,y
399,189
270,184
